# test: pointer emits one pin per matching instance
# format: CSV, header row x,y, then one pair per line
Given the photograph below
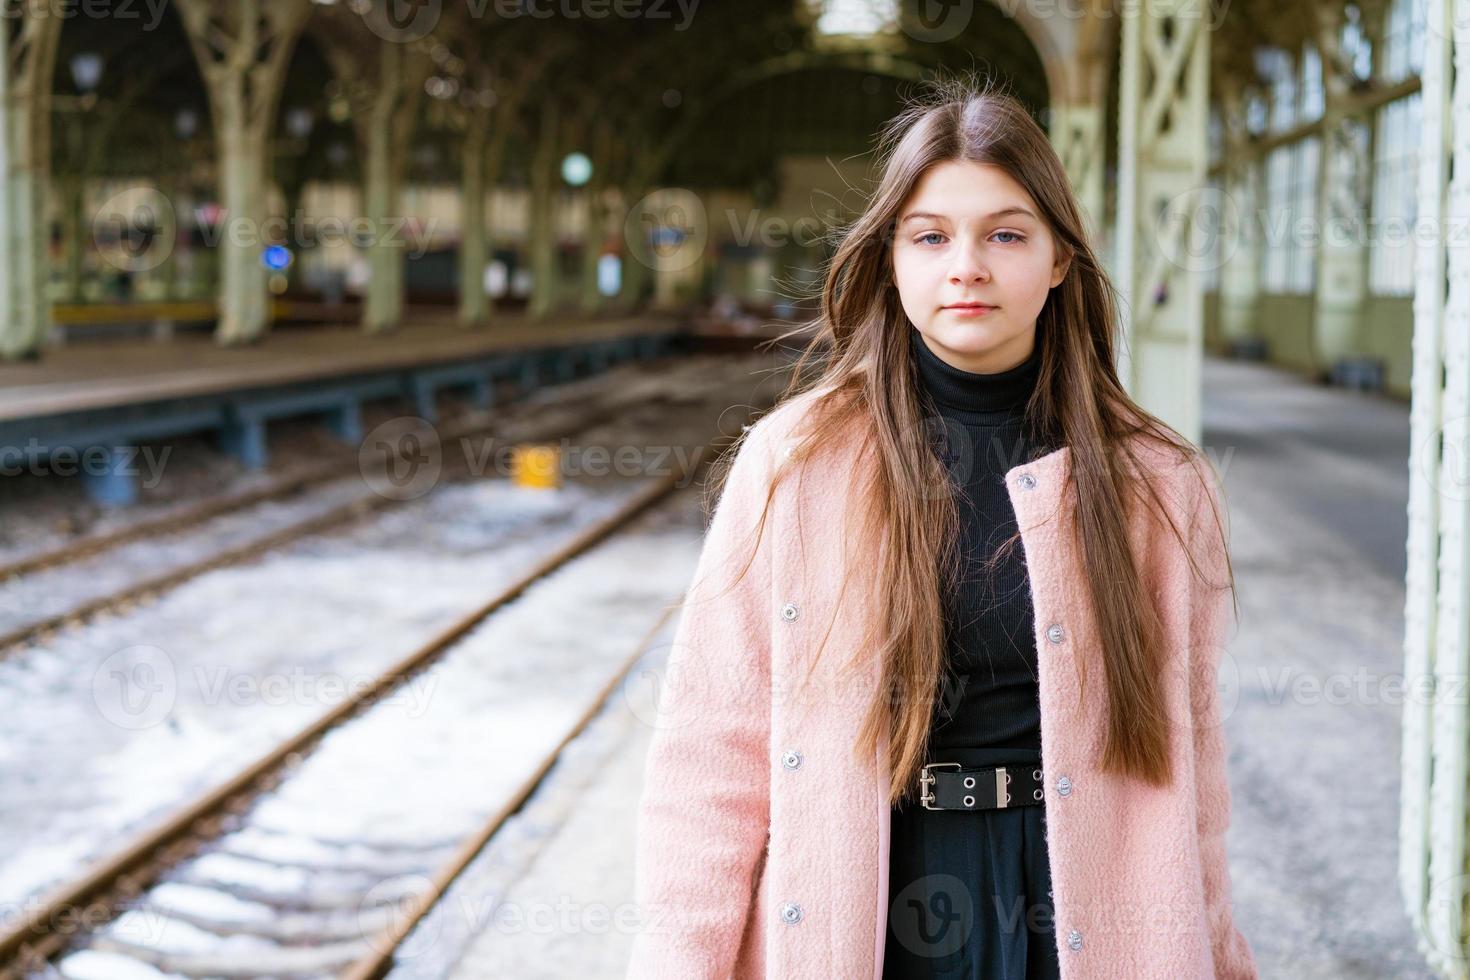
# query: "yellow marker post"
x,y
536,466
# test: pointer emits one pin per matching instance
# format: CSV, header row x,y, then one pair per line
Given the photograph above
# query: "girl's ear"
x,y
1059,270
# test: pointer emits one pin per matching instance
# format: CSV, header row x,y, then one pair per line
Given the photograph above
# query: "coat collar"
x,y
979,398
1037,482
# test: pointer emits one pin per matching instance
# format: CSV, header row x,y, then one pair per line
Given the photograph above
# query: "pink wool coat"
x,y
762,844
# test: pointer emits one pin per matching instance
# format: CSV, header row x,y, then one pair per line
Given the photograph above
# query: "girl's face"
x,y
970,234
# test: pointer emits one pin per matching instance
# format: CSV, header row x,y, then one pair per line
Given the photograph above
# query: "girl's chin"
x,y
974,347
967,338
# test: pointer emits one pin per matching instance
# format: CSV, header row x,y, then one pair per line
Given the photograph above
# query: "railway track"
x,y
106,888
364,898
384,945
592,408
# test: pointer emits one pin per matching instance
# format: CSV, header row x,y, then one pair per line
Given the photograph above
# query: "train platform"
x,y
113,374
96,401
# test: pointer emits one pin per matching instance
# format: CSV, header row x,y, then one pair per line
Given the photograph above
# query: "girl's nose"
x,y
969,265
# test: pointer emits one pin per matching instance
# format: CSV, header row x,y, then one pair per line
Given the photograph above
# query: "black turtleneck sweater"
x,y
989,693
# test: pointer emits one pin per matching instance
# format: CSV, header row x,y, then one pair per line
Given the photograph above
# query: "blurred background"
x,y
361,366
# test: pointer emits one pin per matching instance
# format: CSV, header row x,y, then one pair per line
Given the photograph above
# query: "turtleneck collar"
x,y
971,395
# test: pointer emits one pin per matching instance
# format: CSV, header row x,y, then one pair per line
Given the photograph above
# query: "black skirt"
x,y
969,894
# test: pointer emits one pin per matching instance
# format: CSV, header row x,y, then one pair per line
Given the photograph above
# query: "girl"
x,y
1019,769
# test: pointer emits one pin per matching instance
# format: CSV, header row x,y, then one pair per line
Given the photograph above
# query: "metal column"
x,y
1163,115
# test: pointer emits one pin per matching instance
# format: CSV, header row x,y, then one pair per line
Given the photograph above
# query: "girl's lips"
x,y
968,310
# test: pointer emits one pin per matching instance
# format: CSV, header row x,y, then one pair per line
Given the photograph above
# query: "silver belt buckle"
x,y
1002,795
925,797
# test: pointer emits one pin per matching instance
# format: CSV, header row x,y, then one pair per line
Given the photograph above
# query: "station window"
x,y
1288,223
1403,41
1356,49
1274,65
1311,85
1395,172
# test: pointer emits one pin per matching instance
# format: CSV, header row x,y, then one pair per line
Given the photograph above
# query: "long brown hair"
x,y
864,393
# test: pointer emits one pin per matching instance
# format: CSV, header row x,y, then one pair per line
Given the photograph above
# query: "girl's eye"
x,y
1017,237
928,234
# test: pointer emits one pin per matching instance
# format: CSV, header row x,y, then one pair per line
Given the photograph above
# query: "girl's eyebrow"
x,y
1003,212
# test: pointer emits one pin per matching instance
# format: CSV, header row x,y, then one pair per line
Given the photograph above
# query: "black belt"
x,y
984,788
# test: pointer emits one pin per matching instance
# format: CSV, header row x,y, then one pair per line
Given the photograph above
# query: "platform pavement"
x,y
580,887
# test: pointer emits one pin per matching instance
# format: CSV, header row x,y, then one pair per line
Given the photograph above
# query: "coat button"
x,y
790,452
1026,481
1054,632
1064,785
791,913
1074,939
791,759
789,612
